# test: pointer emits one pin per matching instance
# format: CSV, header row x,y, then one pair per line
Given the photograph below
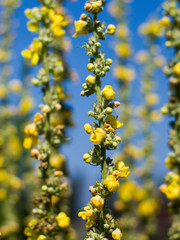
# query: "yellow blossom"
x,y
150,28
116,234
123,170
57,161
124,73
170,162
177,69
108,92
31,136
172,191
41,237
164,22
111,183
90,79
81,28
33,26
113,122
38,117
34,52
97,202
123,50
97,136
148,207
58,22
26,105
127,191
63,220
96,5
88,128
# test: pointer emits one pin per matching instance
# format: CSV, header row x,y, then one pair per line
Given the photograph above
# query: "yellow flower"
x,y
172,191
123,170
164,22
57,161
177,69
111,29
124,73
150,28
148,207
97,136
31,136
63,220
88,128
33,26
127,191
111,183
123,50
108,92
113,122
91,79
58,22
26,105
38,117
87,214
34,52
81,28
116,234
96,5
41,237
97,202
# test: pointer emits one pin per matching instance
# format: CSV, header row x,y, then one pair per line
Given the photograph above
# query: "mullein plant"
x,y
147,196
171,187
134,197
100,224
11,152
44,136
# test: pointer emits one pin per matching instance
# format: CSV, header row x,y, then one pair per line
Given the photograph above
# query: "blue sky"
x,y
78,60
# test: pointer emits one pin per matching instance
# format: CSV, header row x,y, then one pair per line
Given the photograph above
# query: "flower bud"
x,y
90,79
87,158
88,128
88,7
111,29
90,67
116,104
109,110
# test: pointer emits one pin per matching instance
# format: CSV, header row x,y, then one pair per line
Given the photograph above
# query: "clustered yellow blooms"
x,y
103,130
46,132
31,136
171,187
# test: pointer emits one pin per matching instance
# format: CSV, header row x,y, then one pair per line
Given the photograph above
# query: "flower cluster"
x,y
12,165
100,221
171,188
45,135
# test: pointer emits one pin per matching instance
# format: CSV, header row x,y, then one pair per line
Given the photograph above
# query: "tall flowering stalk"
x,y
100,221
46,133
171,188
136,199
12,164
